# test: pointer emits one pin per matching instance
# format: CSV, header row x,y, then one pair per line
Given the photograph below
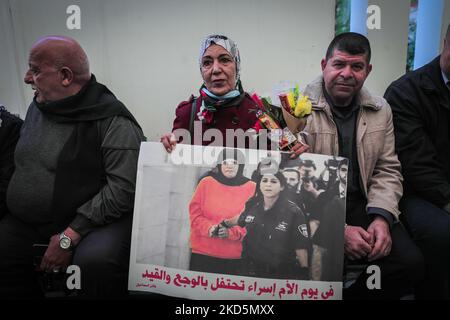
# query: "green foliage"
x,y
342,22
274,112
412,35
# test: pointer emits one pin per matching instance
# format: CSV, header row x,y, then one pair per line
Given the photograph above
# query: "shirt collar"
x,y
446,81
342,191
341,112
2,108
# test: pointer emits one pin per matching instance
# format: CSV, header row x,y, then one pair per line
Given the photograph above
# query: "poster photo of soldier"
x,y
277,239
219,223
318,187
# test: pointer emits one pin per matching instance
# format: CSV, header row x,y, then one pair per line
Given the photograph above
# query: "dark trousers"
x,y
103,258
430,229
400,271
17,276
204,263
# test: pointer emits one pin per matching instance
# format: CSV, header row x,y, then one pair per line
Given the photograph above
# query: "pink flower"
x,y
258,126
207,116
258,101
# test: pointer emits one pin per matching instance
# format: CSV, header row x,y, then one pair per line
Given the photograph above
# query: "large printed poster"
x,y
221,223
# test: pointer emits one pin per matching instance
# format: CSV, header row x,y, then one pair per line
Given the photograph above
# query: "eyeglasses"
x,y
229,162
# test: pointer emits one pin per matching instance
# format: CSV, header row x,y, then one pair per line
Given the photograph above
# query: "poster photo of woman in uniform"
x,y
277,240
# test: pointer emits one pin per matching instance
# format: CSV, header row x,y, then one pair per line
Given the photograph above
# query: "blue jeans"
x,y
429,226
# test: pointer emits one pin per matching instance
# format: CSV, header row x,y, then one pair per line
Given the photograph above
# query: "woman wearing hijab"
x,y
277,240
222,102
220,195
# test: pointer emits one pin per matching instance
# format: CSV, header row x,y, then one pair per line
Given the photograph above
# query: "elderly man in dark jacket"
x,y
9,134
74,178
420,102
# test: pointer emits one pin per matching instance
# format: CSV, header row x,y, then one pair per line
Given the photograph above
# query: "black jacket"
x,y
420,103
80,170
9,134
273,236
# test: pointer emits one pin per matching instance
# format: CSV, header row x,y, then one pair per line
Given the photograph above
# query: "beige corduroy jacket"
x,y
380,169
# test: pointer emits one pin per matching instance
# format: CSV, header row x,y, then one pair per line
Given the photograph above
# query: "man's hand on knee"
x,y
55,258
358,242
379,229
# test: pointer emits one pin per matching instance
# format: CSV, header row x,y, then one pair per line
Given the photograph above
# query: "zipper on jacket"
x,y
361,168
336,139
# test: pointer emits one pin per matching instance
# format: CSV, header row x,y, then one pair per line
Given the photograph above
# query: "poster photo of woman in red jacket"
x,y
220,195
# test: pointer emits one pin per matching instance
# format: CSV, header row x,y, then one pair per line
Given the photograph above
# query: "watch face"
x,y
64,243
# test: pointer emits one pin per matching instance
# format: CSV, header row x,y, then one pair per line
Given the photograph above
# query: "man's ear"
x,y
323,63
66,76
369,68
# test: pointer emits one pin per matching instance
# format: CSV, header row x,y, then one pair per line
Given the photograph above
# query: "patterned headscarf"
x,y
225,43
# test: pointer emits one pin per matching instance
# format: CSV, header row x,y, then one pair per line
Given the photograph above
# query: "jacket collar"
x,y
314,91
431,77
432,83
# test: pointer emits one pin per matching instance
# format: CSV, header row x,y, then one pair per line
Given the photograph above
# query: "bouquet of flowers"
x,y
286,121
271,118
296,107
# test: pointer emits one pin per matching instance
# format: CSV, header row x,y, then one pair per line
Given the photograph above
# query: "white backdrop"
x,y
146,51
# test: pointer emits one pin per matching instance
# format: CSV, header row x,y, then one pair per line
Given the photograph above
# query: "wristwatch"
x,y
65,242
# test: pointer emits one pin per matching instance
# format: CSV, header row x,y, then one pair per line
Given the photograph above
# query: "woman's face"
x,y
229,168
218,70
270,186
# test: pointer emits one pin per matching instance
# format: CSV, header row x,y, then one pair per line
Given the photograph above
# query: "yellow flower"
x,y
303,107
291,100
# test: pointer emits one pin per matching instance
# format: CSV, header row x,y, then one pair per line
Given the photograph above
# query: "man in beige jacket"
x,y
348,121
